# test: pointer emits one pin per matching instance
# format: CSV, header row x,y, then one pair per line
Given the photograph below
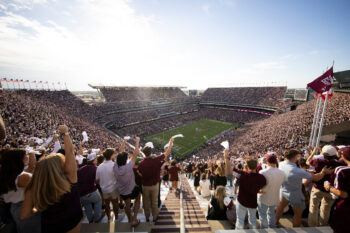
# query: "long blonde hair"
x,y
49,182
220,194
220,171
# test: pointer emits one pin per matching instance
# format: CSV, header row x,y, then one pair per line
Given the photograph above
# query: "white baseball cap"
x,y
330,150
149,144
91,157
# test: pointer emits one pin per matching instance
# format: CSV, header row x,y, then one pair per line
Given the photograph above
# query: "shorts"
x,y
294,202
134,194
113,195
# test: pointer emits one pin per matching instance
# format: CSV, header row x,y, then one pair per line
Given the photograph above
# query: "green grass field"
x,y
195,134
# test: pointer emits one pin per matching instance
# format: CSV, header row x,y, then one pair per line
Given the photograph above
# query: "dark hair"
x,y
108,153
204,176
291,154
122,158
252,164
11,165
61,151
147,151
173,163
100,159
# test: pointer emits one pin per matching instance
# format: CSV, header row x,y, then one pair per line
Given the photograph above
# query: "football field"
x,y
195,134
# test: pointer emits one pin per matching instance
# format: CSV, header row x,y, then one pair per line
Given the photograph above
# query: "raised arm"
x,y
2,129
31,163
311,156
136,150
167,152
70,165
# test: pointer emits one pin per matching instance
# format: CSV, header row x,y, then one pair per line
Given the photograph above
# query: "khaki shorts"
x,y
113,195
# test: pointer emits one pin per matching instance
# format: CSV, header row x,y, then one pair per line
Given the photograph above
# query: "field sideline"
x,y
195,134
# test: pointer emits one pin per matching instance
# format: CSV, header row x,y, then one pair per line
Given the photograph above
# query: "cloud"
x,y
206,8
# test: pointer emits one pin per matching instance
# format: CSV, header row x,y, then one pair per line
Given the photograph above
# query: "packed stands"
x,y
121,94
255,96
36,114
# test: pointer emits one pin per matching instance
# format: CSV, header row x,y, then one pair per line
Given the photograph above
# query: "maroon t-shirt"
x,y
150,170
86,179
319,164
249,186
173,173
341,216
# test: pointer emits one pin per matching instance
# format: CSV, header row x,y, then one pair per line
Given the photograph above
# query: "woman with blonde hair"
x,y
217,210
53,191
220,177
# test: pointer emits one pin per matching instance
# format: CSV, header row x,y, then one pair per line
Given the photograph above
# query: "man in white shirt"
x,y
106,179
269,198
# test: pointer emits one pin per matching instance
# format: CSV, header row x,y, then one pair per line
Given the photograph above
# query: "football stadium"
x,y
126,116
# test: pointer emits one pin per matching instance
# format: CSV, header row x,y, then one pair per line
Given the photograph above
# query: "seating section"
x,y
255,96
121,94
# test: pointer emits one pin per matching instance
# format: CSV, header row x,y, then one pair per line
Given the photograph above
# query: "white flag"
x,y
178,136
225,144
85,136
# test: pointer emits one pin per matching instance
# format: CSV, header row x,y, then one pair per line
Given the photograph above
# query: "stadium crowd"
x,y
53,173
256,96
121,94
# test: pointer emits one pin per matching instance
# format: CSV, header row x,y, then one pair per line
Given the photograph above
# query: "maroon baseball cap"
x,y
271,158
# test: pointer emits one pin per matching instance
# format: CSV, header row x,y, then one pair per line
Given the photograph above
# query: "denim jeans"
x,y
241,213
29,225
92,203
267,216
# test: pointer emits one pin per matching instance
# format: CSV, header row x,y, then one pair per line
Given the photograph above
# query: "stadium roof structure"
x,y
133,87
342,76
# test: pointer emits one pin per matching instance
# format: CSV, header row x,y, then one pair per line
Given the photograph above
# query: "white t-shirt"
x,y
205,188
105,176
274,179
15,196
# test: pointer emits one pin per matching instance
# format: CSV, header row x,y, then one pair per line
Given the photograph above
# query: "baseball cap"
x,y
330,150
149,144
91,157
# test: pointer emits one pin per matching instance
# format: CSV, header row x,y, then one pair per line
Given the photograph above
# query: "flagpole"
x,y
314,121
322,120
317,123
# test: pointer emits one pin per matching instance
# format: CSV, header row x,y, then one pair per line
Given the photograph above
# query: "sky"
x,y
190,43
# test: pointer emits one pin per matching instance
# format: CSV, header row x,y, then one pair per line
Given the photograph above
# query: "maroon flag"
x,y
322,83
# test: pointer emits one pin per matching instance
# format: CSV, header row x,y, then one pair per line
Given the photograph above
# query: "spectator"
x,y
292,186
250,183
126,186
15,178
89,195
165,176
340,217
204,185
174,174
53,191
269,197
220,177
196,178
150,170
106,179
217,209
321,201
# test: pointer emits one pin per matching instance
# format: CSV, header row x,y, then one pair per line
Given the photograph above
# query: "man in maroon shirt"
x,y
321,201
149,168
250,183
